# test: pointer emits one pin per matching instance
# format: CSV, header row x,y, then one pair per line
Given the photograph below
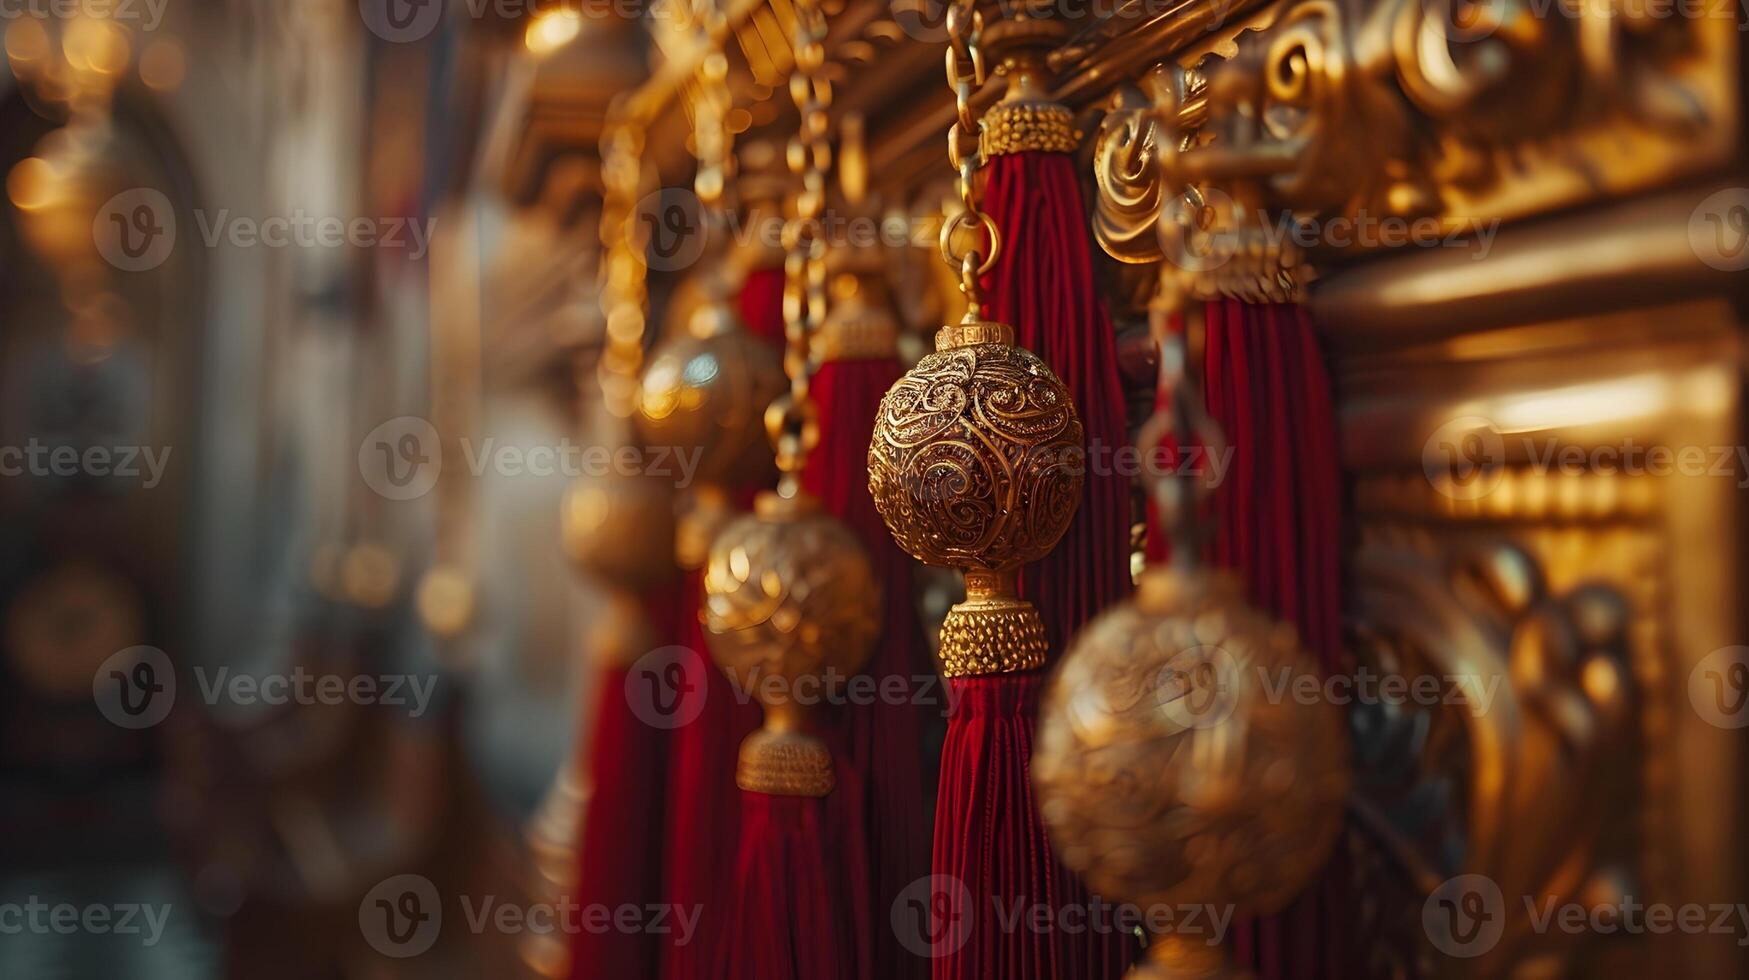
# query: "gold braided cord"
x,y
793,420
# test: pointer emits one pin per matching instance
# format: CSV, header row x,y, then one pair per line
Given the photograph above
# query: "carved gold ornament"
x,y
791,601
1175,765
976,459
704,392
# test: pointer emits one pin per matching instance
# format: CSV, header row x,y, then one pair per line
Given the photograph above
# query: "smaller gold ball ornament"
x,y
791,601
620,527
1174,765
704,391
976,462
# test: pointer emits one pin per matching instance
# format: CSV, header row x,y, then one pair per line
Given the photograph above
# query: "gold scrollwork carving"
x,y
1520,777
1444,110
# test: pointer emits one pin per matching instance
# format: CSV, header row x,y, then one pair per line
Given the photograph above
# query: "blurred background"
x,y
266,262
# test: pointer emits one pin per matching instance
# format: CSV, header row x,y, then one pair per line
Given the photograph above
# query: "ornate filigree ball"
x,y
1183,758
706,390
976,462
620,527
791,602
976,457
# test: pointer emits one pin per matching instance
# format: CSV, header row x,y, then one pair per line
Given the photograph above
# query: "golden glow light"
x,y
553,30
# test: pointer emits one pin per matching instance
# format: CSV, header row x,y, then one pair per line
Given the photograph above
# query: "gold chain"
x,y
792,419
966,74
624,296
713,142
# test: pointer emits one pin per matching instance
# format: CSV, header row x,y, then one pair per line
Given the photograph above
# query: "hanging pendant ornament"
x,y
1248,808
791,602
1043,284
974,464
975,457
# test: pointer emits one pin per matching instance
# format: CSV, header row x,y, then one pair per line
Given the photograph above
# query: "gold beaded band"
x,y
1017,127
993,631
784,764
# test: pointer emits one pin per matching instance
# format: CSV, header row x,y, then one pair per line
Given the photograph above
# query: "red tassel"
x,y
703,801
884,738
993,868
702,804
1043,286
760,304
1278,519
619,856
791,920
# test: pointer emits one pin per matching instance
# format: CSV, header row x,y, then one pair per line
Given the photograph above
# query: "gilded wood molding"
x,y
1327,115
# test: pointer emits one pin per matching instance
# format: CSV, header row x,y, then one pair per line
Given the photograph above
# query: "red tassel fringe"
x,y
1043,286
1278,520
883,738
619,854
992,861
702,804
790,920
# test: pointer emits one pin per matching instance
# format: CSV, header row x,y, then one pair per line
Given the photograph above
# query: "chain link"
x,y
792,420
624,295
713,142
966,74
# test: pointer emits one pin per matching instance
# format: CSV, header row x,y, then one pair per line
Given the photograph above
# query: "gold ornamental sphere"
x,y
620,527
706,390
976,457
791,602
1176,764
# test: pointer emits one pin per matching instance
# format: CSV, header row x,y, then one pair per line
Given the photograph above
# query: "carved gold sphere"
x,y
790,600
1176,763
706,390
976,457
620,527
